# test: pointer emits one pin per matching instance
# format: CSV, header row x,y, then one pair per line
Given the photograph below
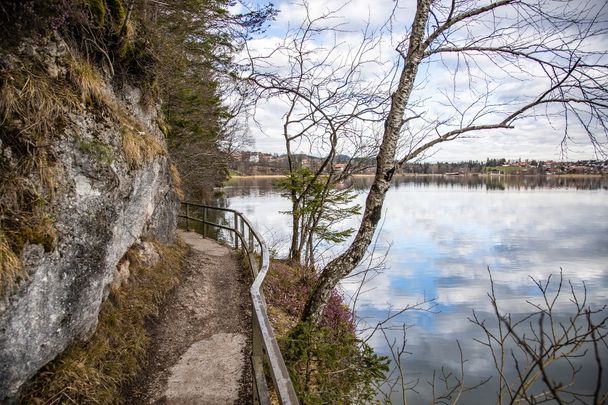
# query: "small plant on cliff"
x,y
35,102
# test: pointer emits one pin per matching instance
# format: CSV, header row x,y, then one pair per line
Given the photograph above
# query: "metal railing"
x,y
265,350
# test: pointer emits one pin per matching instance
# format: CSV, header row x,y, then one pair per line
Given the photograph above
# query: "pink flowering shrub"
x,y
288,288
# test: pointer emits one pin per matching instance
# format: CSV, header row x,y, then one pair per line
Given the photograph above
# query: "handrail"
x,y
264,344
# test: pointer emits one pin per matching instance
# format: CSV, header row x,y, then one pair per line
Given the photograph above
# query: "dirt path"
x,y
201,341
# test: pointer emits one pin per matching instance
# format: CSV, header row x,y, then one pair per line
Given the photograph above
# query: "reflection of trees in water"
x,y
249,186
494,182
218,199
260,186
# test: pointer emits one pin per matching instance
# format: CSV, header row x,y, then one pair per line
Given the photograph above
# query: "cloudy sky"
x,y
448,88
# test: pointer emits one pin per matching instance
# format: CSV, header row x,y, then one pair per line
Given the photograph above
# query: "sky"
x,y
447,89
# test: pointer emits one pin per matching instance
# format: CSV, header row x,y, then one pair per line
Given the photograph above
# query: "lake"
x,y
439,238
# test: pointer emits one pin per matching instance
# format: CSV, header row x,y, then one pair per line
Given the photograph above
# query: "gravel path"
x,y
201,341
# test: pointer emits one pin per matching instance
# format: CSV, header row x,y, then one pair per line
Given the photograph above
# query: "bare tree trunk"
x,y
294,251
385,167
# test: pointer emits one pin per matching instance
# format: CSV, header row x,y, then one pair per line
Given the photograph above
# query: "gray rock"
x,y
103,207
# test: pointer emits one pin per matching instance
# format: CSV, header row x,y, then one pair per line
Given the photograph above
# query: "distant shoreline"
x,y
261,176
567,175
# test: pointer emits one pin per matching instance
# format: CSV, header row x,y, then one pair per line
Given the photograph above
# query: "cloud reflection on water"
x,y
443,238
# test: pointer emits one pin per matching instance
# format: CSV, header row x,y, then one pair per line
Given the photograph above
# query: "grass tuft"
x,y
94,372
176,180
139,147
10,265
89,84
33,105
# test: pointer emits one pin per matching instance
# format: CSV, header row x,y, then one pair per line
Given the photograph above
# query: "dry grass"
x,y
24,214
89,84
176,180
10,265
94,372
139,147
32,109
33,105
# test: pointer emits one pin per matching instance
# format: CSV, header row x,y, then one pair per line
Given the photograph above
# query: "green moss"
x,y
110,12
98,11
163,127
118,11
103,153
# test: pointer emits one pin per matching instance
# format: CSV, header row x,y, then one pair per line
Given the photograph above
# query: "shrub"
x,y
327,364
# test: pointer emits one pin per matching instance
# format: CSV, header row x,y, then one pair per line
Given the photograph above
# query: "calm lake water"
x,y
439,237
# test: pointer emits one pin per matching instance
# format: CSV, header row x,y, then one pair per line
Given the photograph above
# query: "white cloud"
x,y
533,137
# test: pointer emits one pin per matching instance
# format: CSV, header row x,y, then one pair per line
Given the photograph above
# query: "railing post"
x,y
251,241
252,263
205,222
261,260
187,215
243,243
236,229
260,389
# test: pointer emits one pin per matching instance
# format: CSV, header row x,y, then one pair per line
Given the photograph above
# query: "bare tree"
x,y
539,341
328,108
549,46
537,355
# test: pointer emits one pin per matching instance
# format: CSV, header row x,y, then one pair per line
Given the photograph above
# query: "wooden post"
x,y
204,222
236,228
187,215
243,234
251,250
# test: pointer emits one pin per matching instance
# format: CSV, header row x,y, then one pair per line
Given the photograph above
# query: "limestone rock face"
x,y
104,205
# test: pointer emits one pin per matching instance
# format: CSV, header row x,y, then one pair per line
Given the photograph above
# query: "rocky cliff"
x,y
85,176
